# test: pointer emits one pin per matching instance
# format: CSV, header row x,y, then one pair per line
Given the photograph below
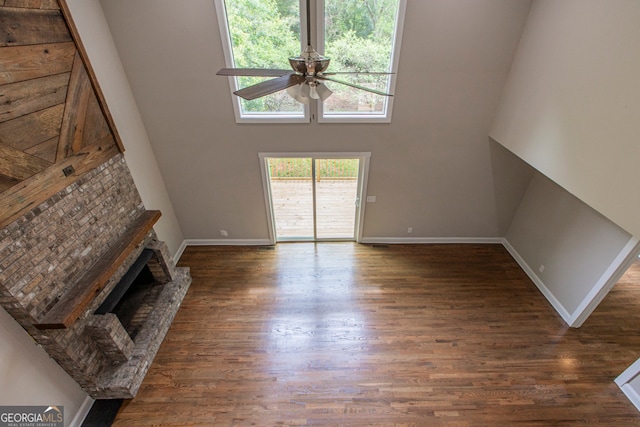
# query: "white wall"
x,y
95,35
575,244
432,168
29,377
571,105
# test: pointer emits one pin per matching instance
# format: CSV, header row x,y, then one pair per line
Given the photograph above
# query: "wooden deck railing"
x,y
300,168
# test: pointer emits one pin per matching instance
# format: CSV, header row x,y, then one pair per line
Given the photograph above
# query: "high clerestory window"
x,y
360,36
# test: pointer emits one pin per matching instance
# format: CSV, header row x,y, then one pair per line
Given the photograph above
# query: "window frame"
x,y
227,48
314,110
385,117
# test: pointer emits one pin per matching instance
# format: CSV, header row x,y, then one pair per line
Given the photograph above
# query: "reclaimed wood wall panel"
x,y
19,165
28,27
6,183
33,4
29,193
18,99
45,150
32,129
52,113
95,124
21,63
74,115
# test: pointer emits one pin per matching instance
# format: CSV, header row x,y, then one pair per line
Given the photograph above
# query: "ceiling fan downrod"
x,y
309,63
305,82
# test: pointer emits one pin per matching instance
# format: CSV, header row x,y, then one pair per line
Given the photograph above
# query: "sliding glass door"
x,y
336,197
314,197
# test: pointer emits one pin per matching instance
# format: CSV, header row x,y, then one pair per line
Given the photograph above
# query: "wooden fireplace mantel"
x,y
73,303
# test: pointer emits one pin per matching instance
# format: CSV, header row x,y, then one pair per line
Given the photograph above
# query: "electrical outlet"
x,y
410,230
541,268
224,233
371,199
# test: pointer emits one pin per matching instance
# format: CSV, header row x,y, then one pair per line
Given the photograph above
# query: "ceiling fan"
x,y
303,83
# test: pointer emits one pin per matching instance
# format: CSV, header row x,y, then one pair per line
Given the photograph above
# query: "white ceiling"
x,y
433,168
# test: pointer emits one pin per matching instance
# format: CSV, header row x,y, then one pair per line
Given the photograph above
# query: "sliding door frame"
x,y
363,175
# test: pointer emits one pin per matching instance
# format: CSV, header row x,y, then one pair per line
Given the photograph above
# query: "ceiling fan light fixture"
x,y
305,92
301,93
323,92
303,84
313,93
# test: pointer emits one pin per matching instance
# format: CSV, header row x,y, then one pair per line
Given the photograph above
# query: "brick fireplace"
x,y
47,255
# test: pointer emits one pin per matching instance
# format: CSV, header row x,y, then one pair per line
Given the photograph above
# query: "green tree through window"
x,y
358,37
264,33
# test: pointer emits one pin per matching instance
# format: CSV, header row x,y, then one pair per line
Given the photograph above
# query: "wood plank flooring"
x,y
353,335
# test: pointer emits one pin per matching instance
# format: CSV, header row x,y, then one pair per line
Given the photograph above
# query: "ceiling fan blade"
x,y
270,86
377,73
257,72
322,77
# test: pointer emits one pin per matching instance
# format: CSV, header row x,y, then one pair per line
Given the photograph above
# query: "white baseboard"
x,y
608,279
560,309
218,242
366,240
625,378
430,240
82,413
631,394
611,276
178,254
227,242
629,374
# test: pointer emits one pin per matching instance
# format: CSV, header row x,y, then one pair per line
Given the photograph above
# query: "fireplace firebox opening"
x,y
134,296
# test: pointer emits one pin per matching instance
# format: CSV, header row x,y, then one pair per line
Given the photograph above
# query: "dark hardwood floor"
x,y
347,334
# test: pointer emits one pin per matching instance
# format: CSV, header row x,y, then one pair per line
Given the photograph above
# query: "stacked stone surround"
x,y
48,250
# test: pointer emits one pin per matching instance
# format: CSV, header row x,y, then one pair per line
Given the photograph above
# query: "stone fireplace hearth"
x,y
48,256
